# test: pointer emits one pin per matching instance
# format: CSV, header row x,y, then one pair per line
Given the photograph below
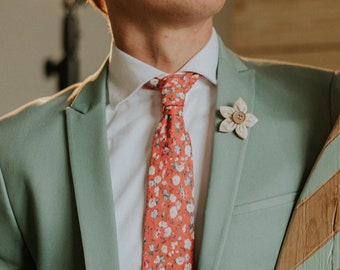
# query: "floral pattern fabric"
x,y
169,211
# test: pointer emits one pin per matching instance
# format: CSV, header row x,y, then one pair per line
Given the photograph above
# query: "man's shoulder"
x,y
276,68
312,85
45,118
40,107
34,119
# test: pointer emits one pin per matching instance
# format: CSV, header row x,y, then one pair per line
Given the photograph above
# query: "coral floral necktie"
x,y
169,211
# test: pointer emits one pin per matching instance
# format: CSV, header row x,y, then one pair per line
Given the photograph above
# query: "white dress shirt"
x,y
132,116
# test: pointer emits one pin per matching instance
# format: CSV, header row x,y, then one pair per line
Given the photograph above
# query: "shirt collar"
x,y
209,56
128,74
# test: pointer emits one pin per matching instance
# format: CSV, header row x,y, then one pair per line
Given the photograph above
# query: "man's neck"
x,y
166,48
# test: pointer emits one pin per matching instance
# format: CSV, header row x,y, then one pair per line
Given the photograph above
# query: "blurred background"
x,y
31,32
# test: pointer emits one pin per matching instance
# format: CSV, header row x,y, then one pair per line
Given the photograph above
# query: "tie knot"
x,y
173,89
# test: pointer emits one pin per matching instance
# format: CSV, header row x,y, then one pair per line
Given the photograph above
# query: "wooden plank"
x,y
280,23
314,223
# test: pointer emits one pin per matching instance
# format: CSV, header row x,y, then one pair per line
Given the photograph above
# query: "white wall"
x,y
30,32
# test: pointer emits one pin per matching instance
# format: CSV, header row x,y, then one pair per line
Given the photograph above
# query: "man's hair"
x,y
100,4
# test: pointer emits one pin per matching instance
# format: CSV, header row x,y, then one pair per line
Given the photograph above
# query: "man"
x,y
74,166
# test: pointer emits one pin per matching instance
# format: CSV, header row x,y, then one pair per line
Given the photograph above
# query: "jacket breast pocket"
x,y
256,233
263,204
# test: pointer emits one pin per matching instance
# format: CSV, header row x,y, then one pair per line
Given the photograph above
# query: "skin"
x,y
164,33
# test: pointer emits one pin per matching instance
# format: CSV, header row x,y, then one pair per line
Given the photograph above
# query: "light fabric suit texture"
x,y
312,240
56,206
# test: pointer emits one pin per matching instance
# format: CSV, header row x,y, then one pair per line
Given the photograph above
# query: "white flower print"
x,y
175,81
158,179
187,180
184,137
192,219
188,266
187,244
173,198
190,207
155,156
176,179
174,244
154,82
162,224
151,170
179,167
188,150
173,212
152,203
180,260
157,191
177,149
166,150
165,195
155,181
163,172
181,95
162,131
157,260
167,232
164,249
154,213
166,92
237,118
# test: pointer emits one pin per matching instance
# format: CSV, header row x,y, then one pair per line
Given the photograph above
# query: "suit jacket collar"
x,y
234,80
92,92
86,130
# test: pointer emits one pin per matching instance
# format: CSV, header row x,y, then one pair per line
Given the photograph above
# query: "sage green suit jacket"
x,y
56,206
312,239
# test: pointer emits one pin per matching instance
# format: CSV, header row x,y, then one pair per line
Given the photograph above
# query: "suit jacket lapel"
x,y
234,80
86,127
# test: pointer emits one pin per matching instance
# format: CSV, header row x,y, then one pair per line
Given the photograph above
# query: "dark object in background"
x,y
68,68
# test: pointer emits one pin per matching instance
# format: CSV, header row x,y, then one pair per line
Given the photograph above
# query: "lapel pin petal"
x,y
237,118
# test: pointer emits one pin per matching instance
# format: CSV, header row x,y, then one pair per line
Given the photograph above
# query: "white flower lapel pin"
x,y
237,118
